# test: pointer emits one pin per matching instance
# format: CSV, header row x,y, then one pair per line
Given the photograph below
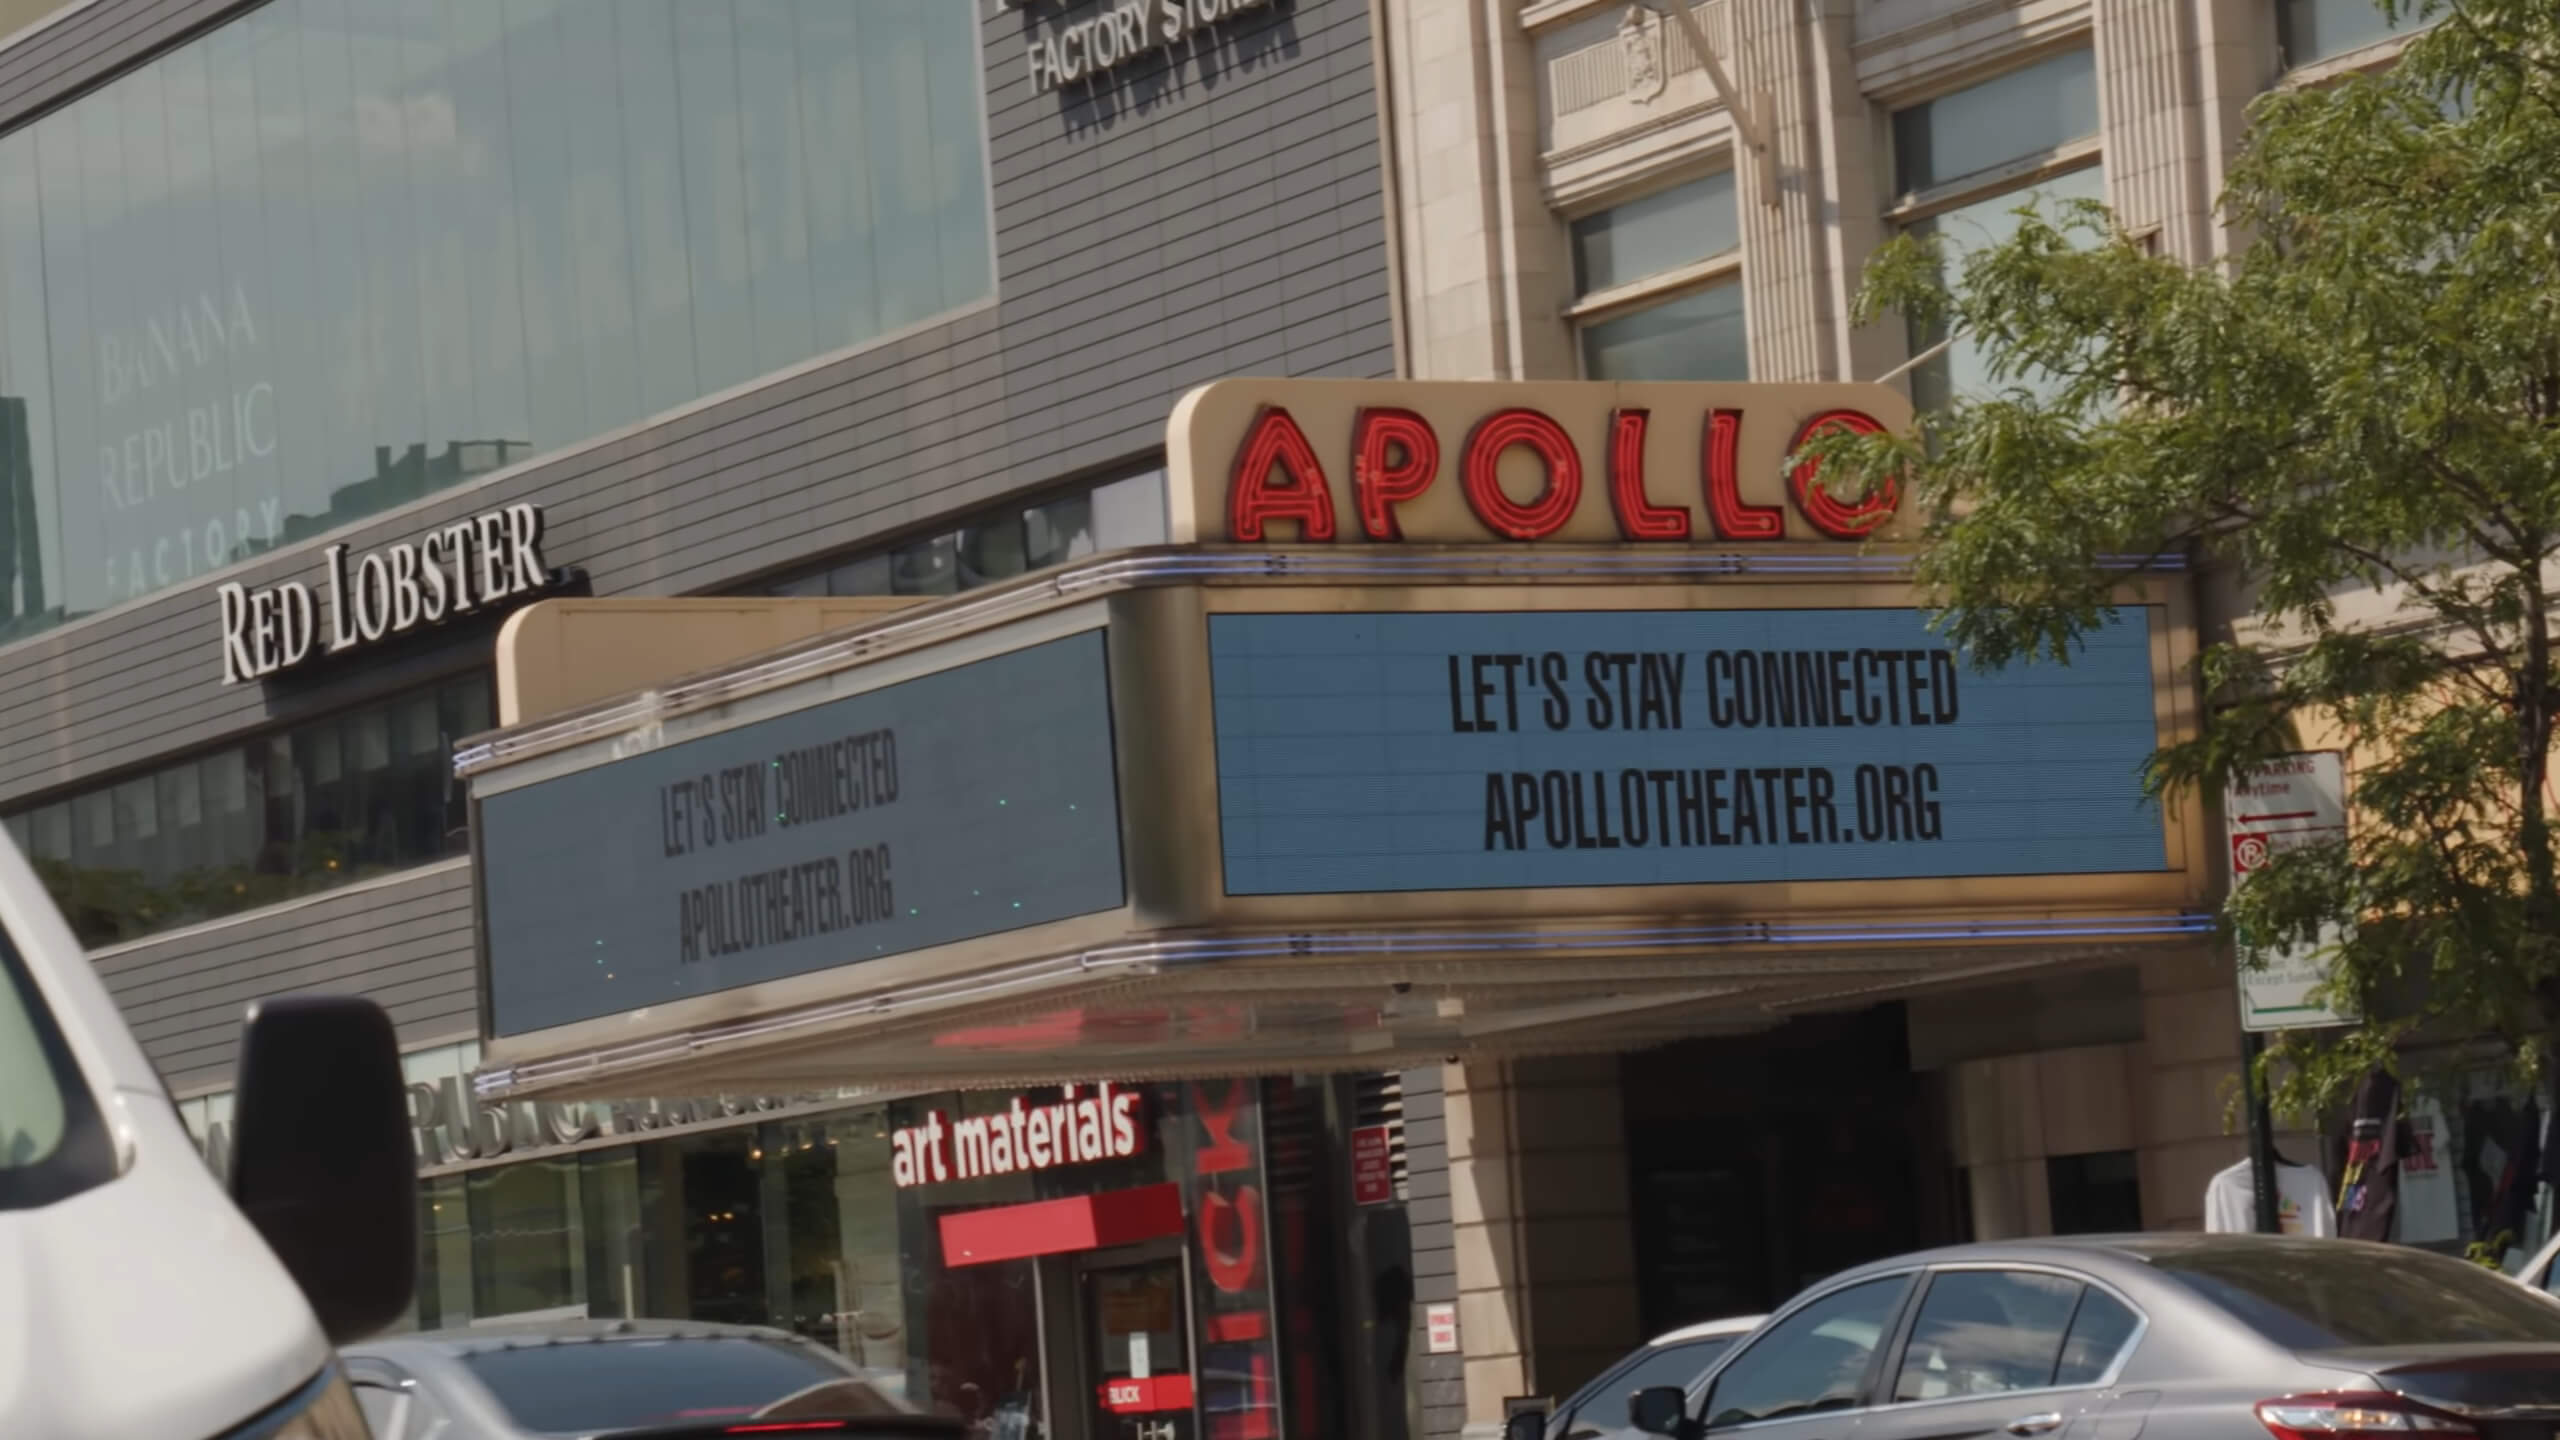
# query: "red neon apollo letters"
x,y
1843,522
1395,459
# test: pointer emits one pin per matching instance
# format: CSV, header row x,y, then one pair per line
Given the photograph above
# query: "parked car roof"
x,y
505,1335
1725,1329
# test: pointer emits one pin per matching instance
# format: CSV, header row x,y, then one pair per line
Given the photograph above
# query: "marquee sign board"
x,y
965,802
1346,462
1380,753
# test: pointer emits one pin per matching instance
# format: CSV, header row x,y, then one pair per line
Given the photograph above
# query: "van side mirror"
x,y
1659,1410
1526,1423
321,1161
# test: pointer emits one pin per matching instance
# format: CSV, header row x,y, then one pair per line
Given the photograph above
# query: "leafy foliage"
x,y
2357,413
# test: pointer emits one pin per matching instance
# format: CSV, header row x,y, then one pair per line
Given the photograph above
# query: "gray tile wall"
x,y
1224,217
1440,1381
406,943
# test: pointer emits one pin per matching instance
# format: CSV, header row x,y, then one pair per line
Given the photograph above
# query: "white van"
x,y
136,1297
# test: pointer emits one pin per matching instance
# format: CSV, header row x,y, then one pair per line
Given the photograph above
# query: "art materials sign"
x,y
474,565
967,802
1367,753
1078,1128
2294,801
1345,462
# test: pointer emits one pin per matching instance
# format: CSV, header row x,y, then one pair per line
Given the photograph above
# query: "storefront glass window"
x,y
338,254
526,1253
842,1275
444,1295
999,543
328,802
799,1222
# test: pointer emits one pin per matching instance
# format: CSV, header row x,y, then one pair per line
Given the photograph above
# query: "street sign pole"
x,y
2262,1134
2294,800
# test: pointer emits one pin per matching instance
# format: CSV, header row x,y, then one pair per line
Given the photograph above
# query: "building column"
x,y
1482,271
2191,1108
1543,1228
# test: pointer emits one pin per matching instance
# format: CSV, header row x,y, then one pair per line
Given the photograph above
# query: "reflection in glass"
x,y
1696,336
338,254
2315,30
2025,112
1000,542
339,799
526,1253
1963,369
1661,231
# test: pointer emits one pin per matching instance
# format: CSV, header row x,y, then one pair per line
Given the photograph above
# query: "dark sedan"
x,y
627,1379
2162,1337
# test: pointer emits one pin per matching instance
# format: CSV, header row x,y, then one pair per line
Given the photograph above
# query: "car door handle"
x,y
2036,1424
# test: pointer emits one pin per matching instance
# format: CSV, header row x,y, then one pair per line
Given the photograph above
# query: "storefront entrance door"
x,y
1135,1319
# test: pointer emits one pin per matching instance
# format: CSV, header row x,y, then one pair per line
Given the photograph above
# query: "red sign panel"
x,y
1058,1227
1373,1175
1140,1397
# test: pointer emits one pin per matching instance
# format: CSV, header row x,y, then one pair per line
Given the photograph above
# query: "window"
x,y
2009,117
1816,1359
2309,31
2035,124
1982,1332
327,802
2306,1297
999,543
628,1384
1602,1409
1660,281
327,258
53,1143
2100,1330
385,1409
2094,1194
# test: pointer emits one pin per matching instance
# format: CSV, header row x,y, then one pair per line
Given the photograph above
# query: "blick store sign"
x,y
474,564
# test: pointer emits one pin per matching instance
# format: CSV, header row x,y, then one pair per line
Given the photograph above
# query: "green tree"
x,y
2360,404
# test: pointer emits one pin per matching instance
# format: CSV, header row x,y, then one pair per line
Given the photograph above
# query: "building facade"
x,y
1584,197
527,298
334,331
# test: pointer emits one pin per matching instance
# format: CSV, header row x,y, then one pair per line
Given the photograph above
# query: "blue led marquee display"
x,y
1371,753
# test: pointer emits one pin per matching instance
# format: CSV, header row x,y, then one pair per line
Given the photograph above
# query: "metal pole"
x,y
1748,120
2262,1134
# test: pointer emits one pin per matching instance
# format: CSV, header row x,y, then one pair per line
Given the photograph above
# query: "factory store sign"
x,y
472,565
1089,45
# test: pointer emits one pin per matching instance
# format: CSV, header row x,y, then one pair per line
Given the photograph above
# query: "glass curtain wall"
x,y
320,805
336,254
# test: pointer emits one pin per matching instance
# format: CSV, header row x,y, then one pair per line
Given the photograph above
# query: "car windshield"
x,y
2308,1297
586,1386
